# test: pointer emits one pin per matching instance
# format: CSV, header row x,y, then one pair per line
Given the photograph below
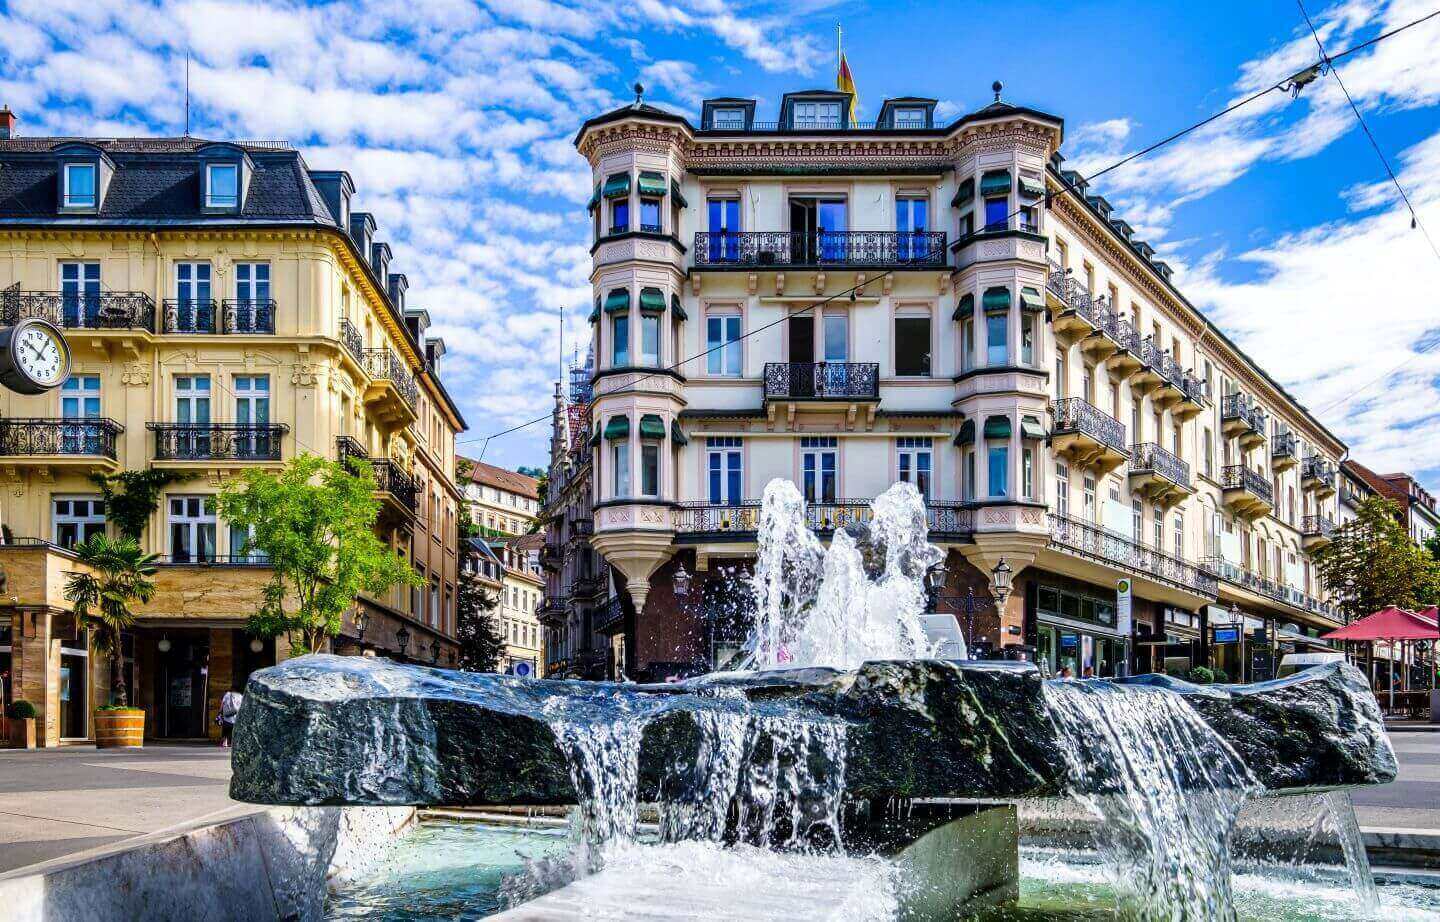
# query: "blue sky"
x,y
456,120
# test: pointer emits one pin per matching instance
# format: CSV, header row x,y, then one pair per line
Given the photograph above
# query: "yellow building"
x,y
226,310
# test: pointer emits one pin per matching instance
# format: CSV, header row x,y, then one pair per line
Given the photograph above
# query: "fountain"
x,y
838,735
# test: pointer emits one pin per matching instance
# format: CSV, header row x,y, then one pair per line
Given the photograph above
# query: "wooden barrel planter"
x,y
119,728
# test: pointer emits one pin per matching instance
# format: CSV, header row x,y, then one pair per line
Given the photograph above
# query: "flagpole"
x,y
839,51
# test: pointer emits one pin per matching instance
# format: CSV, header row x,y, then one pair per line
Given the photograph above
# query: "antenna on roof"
x,y
639,93
187,93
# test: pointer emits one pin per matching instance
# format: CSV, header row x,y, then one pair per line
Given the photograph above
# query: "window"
x,y
724,467
252,296
911,221
819,461
619,215
80,294
1027,339
969,485
724,227
967,342
1207,444
1089,498
997,468
1027,472
912,345
620,341
997,213
909,117
650,340
1159,525
240,549
1137,521
650,215
80,397
252,409
1062,382
836,330
914,459
620,458
1179,536
433,614
817,115
728,119
80,185
967,224
649,469
192,400
74,521
1062,488
192,529
194,310
997,347
222,185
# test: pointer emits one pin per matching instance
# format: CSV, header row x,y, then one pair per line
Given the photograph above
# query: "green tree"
x,y
315,521
120,575
542,476
1371,562
131,497
475,627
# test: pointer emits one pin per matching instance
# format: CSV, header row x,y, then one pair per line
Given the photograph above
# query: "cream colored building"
x,y
227,310
1011,348
500,502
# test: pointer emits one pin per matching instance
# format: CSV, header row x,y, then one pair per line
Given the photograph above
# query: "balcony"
x,y
1171,389
587,587
249,315
106,310
1318,476
398,494
1241,419
820,249
1274,590
1123,360
84,443
1095,543
552,614
391,393
190,315
1284,452
1086,436
947,521
1151,373
1246,493
1351,495
1158,475
833,381
1195,398
213,560
609,619
1316,531
217,441
1072,311
354,342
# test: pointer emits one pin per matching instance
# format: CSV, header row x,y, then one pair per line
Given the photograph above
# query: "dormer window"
x,y
817,115
909,117
222,185
728,119
80,185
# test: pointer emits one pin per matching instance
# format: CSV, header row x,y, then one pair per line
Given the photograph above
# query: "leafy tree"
x,y
541,475
475,628
1371,562
131,497
121,575
315,521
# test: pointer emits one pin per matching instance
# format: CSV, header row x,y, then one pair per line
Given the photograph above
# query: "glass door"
x,y
80,294
252,411
192,414
819,463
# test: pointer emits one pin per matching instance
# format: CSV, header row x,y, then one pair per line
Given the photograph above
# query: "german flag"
x,y
846,84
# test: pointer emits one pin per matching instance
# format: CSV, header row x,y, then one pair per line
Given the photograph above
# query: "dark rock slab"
x,y
363,731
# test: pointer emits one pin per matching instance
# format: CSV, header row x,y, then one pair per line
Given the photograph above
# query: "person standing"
x,y
229,709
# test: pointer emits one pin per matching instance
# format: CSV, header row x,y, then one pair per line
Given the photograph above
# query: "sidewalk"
x,y
66,801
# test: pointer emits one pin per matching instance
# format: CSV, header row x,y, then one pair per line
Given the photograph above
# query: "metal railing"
x,y
1317,526
35,436
1074,295
1316,467
382,364
214,560
1240,477
1238,406
1284,445
1148,456
1195,390
389,477
190,315
944,517
217,441
1075,414
249,315
354,342
1270,588
820,248
1090,540
106,310
607,616
822,380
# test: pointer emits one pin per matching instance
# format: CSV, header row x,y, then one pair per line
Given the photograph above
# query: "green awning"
x,y
595,314
617,301
618,427
1032,187
677,309
1030,299
966,435
964,194
995,182
964,309
617,185
676,436
997,427
652,300
995,300
1031,428
652,427
652,184
594,199
675,191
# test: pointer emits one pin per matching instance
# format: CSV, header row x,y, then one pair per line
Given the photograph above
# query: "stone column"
x,y
36,668
222,675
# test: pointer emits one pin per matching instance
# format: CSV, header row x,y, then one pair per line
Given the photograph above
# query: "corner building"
x,y
226,310
1012,350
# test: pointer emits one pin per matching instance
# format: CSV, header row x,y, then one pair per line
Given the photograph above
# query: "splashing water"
x,y
818,607
1168,788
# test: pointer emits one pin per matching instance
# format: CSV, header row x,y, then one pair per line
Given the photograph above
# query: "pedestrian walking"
x,y
229,709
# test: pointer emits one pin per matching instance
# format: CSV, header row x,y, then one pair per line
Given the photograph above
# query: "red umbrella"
x,y
1389,624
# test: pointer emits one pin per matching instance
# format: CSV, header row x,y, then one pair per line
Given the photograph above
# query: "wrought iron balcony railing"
x,y
1092,541
1148,456
609,616
354,343
203,559
884,249
1238,575
1241,407
944,517
822,381
1317,468
1284,445
249,315
382,364
1318,526
1069,290
190,315
389,477
1194,387
20,436
1074,414
1240,477
217,441
106,310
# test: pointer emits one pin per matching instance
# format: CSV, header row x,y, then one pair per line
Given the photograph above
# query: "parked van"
x,y
1292,663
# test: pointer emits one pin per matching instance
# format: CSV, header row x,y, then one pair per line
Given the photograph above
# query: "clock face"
x,y
40,355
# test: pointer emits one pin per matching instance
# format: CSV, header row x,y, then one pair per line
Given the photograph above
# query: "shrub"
x,y
1201,675
1221,676
20,709
1175,673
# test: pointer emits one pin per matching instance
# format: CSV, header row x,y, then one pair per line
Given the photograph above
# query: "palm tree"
x,y
119,576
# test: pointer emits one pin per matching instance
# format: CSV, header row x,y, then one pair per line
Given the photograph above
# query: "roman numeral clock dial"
x,y
34,357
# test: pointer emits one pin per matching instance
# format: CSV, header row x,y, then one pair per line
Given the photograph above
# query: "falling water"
x,y
1352,845
1168,788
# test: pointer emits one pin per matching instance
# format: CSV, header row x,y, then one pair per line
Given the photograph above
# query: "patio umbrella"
x,y
1389,624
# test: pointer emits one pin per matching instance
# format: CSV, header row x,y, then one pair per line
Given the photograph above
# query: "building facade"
x,y
226,310
501,503
931,303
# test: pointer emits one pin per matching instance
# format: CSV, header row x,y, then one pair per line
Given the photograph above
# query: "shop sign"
x,y
1123,618
1227,635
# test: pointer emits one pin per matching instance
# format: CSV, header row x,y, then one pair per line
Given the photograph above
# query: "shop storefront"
x,y
1176,649
1077,630
1240,645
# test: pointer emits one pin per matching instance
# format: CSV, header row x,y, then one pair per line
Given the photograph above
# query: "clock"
x,y
34,357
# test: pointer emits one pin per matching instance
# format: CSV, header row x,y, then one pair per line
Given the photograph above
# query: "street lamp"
x,y
402,637
435,651
1000,582
362,621
682,582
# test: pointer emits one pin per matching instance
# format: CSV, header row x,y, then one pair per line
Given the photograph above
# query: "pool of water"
x,y
455,871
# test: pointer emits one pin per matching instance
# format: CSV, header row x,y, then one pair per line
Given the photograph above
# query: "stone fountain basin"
x,y
362,731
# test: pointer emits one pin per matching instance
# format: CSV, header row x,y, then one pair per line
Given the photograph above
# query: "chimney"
x,y
7,123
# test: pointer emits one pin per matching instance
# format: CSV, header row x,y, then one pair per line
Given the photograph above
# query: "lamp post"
x,y
362,621
402,637
434,651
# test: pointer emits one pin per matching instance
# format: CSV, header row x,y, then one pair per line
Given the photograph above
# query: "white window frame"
x,y
727,118
724,456
212,200
69,198
909,117
814,450
915,463
620,464
197,516
86,524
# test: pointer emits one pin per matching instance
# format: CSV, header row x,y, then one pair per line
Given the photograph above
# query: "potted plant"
x,y
119,575
22,724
